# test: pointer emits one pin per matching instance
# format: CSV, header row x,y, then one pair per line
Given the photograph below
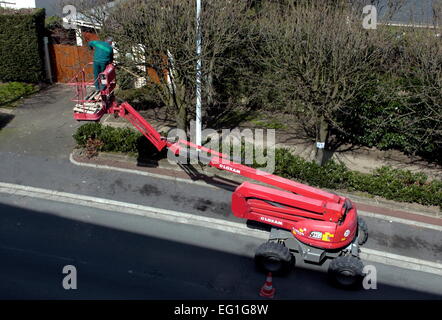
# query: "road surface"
x,y
120,256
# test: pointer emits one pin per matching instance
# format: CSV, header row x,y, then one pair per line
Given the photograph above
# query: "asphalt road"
x,y
118,256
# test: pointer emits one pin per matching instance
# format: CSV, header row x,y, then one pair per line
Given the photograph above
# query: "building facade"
x,y
51,6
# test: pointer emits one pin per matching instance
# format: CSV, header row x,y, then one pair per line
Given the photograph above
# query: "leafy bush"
x,y
389,183
114,139
109,139
21,45
53,22
12,91
393,116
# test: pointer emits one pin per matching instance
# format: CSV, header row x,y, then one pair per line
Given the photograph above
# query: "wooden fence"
x,y
68,60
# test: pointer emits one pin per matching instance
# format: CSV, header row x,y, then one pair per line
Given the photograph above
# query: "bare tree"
x,y
437,13
318,59
162,34
421,69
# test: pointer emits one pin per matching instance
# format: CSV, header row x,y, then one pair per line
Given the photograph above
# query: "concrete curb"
x,y
206,222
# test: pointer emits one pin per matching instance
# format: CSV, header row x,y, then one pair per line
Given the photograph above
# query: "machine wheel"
x,y
346,271
362,231
273,257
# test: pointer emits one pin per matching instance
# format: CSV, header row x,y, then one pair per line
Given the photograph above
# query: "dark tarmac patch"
x,y
118,183
148,190
218,208
203,205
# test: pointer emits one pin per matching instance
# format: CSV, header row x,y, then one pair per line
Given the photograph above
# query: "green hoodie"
x,y
104,52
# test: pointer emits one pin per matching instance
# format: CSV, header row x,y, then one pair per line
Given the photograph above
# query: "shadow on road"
x,y
5,119
113,263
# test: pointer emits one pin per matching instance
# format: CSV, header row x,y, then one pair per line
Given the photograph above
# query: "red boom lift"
x,y
305,222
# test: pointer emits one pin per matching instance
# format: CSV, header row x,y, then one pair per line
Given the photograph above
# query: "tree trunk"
x,y
322,136
181,117
177,93
209,85
181,107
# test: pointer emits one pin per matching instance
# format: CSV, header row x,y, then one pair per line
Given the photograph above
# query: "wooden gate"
x,y
68,60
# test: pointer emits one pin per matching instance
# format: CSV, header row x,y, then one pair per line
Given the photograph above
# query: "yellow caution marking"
x,y
326,236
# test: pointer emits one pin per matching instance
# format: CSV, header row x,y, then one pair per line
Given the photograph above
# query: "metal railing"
x,y
82,90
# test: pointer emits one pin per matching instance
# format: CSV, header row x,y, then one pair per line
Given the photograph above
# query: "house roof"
x,y
416,12
86,20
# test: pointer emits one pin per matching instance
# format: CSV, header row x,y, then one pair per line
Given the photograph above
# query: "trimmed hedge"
x,y
21,45
386,182
123,140
114,139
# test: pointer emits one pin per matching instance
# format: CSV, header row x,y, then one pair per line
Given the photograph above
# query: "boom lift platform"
x,y
305,222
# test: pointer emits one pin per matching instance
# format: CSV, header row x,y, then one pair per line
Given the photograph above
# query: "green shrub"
x,y
86,131
114,139
122,140
53,22
12,91
386,182
21,45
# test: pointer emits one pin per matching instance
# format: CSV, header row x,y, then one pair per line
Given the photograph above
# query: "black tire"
x,y
273,257
346,271
362,231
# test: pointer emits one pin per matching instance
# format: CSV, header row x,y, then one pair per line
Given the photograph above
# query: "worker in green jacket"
x,y
103,55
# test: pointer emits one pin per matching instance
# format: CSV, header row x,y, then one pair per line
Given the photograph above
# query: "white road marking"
x,y
206,222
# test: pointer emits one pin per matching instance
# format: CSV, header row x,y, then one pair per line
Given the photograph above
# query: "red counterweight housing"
x,y
322,223
107,79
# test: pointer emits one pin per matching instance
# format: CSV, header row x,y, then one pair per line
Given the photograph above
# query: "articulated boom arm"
x,y
301,197
125,110
308,201
222,161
